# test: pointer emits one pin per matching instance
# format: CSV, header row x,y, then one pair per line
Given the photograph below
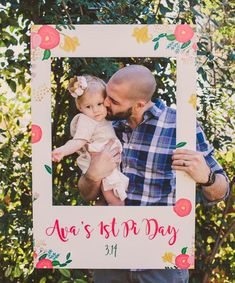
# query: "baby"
x,y
91,131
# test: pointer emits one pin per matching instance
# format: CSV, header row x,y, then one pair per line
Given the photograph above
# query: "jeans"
x,y
146,276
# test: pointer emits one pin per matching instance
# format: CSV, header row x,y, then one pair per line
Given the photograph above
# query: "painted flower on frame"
x,y
35,40
50,37
181,261
141,34
168,257
44,263
36,133
182,207
183,33
70,43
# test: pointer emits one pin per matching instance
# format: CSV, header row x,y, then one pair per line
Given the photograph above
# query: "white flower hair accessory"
x,y
78,86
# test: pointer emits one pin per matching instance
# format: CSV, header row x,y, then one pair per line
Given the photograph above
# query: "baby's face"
x,y
92,105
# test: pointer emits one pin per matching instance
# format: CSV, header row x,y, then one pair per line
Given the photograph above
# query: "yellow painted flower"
x,y
141,34
70,43
168,257
193,100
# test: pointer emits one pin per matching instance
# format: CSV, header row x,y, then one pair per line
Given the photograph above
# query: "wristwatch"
x,y
211,180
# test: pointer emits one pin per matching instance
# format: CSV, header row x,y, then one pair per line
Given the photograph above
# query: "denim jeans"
x,y
146,276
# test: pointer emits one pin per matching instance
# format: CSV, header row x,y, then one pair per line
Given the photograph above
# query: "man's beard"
x,y
119,115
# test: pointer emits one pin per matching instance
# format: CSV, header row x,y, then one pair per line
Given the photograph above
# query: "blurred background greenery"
x,y
215,26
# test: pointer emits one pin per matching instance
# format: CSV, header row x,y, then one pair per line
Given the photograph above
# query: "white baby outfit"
x,y
97,134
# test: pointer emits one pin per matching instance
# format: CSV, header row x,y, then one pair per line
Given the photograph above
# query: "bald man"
x,y
147,131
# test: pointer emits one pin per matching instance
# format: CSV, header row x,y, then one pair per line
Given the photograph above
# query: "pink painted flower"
x,y
35,40
183,207
183,33
44,263
181,261
36,133
50,37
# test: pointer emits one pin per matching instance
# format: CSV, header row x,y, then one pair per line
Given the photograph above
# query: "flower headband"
x,y
79,84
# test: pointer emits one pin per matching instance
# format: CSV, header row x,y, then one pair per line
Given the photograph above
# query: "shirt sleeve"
x,y
85,128
208,151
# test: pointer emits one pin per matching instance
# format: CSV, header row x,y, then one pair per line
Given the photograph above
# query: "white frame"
x,y
133,251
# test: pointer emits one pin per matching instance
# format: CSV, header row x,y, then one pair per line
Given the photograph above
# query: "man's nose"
x,y
107,102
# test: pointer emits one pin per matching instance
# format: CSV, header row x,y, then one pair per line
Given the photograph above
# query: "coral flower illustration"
x,y
50,37
183,207
181,261
36,133
183,33
35,40
44,263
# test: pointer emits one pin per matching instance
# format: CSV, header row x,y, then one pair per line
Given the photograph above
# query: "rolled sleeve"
x,y
208,153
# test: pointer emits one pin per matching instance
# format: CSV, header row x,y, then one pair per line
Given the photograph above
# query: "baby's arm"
x,y
69,148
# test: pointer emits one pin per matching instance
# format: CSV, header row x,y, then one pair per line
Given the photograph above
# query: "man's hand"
x,y
104,162
191,162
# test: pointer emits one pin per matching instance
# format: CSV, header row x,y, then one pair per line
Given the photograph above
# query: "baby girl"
x,y
91,131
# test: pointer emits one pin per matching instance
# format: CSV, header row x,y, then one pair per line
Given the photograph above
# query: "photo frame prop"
x,y
112,237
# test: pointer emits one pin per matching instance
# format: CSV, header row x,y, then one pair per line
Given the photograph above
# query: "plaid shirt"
x,y
147,156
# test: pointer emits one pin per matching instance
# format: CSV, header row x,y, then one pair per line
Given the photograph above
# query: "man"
x,y
143,126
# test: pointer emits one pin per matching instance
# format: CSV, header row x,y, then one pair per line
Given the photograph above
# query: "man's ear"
x,y
139,105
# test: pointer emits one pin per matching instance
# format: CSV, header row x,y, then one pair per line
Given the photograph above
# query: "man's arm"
x,y
102,164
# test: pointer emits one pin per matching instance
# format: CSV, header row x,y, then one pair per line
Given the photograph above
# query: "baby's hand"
x,y
57,155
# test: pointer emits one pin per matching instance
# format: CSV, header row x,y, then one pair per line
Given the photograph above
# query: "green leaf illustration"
x,y
155,39
162,35
55,262
186,44
43,256
68,261
68,256
48,168
46,54
180,144
156,45
184,250
170,37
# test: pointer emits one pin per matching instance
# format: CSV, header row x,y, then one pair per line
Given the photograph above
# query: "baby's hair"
x,y
93,84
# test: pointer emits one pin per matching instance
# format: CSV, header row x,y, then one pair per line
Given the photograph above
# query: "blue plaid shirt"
x,y
147,156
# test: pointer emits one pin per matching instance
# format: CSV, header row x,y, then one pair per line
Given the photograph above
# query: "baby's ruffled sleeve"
x,y
82,127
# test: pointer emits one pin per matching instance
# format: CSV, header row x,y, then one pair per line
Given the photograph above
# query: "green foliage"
x,y
214,240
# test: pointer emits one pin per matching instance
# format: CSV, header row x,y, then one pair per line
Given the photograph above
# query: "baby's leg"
x,y
111,198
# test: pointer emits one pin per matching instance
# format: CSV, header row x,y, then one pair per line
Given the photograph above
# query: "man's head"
x,y
128,91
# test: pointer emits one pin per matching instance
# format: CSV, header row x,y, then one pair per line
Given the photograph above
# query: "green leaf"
x,y
170,37
46,54
68,256
68,261
55,262
180,144
12,85
65,272
186,44
43,280
155,39
9,53
8,271
156,45
48,168
80,281
184,250
43,256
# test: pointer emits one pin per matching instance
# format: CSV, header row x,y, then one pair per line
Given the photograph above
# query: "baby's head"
x,y
89,93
